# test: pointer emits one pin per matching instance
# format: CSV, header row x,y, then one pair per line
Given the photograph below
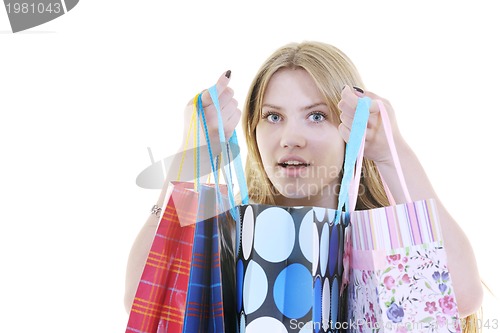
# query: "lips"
x,y
292,162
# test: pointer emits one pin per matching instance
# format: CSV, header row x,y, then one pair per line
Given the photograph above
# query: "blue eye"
x,y
272,117
317,117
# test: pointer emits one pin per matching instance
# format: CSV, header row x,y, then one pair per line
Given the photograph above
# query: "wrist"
x,y
402,149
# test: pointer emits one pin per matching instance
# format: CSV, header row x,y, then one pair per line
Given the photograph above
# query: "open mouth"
x,y
293,164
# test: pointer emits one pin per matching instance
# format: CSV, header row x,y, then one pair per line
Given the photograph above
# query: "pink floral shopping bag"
x,y
398,274
399,281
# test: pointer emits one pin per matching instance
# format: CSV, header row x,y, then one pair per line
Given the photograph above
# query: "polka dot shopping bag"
x,y
290,263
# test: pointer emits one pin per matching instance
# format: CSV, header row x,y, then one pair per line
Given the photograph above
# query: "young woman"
x,y
296,119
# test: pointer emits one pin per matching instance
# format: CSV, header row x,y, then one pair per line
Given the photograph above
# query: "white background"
x,y
83,96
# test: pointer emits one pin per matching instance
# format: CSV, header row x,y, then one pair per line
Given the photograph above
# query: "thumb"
x,y
362,93
373,97
223,82
221,85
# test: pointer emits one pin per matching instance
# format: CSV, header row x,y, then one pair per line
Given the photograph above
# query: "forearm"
x,y
461,260
139,253
142,244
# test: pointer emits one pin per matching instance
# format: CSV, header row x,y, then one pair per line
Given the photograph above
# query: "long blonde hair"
x,y
330,69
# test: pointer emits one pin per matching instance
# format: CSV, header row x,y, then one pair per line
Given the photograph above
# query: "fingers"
x,y
349,99
228,104
221,86
223,82
231,122
375,132
374,106
348,105
346,119
344,132
226,96
230,114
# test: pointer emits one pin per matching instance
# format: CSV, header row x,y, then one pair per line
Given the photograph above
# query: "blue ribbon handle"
x,y
358,130
226,167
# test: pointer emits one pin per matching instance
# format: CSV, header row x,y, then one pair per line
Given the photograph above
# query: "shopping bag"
x,y
398,276
290,262
210,297
188,282
183,272
289,269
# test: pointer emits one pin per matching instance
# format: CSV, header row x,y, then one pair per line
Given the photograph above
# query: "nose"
x,y
292,135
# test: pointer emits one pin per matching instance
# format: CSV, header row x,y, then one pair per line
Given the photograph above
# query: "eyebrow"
x,y
312,106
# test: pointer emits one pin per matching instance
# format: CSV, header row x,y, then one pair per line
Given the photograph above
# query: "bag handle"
x,y
233,143
227,148
394,153
193,122
352,151
353,190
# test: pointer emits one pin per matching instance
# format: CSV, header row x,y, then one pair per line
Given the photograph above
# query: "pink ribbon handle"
x,y
354,187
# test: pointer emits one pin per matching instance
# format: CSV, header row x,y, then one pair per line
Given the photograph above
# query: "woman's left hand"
x,y
376,147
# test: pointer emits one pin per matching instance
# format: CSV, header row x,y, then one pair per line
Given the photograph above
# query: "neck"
x,y
328,198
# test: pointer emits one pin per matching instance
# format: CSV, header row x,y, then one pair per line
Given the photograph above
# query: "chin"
x,y
295,190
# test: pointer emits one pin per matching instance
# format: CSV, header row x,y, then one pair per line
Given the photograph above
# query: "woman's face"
x,y
300,145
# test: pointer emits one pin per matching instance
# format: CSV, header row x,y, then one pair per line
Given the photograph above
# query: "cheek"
x,y
263,143
337,158
331,147
338,144
258,136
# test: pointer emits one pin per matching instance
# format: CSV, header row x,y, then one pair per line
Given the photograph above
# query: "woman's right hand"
x,y
229,112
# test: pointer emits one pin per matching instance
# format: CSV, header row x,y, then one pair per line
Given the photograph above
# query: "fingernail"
x,y
358,89
228,74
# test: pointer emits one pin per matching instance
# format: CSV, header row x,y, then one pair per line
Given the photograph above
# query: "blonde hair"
x,y
330,69
472,323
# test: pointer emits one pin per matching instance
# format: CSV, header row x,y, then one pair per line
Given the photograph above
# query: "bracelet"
x,y
156,210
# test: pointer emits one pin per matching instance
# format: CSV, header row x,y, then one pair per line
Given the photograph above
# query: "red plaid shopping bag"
x,y
162,290
181,286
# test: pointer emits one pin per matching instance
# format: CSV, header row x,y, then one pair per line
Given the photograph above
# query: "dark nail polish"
x,y
358,89
228,74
